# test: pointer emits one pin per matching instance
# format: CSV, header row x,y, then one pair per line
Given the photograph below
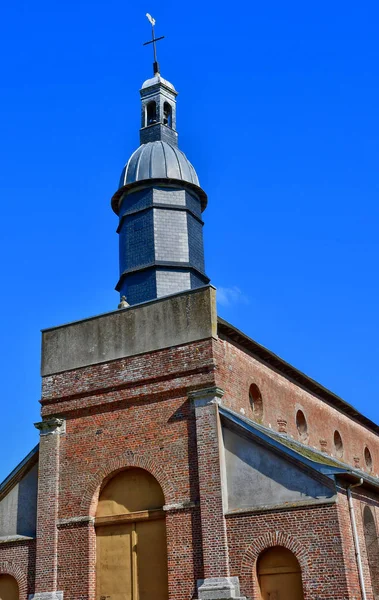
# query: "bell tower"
x,y
158,111
159,204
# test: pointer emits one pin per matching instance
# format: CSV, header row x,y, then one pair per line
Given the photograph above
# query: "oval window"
x,y
368,459
338,444
301,423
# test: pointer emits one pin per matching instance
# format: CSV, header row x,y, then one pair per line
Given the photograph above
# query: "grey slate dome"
x,y
158,160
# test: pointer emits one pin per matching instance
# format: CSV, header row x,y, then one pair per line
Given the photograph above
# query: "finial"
x,y
123,303
153,41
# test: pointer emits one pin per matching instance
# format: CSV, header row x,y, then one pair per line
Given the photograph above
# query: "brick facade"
x,y
18,559
282,398
158,411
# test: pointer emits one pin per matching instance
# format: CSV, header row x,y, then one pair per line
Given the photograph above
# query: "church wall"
x,y
282,398
132,411
18,559
312,534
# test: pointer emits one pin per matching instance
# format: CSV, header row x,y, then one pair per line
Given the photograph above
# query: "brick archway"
x,y
128,459
249,581
9,568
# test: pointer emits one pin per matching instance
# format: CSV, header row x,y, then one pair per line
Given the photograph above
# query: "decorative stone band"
x,y
206,396
219,588
51,426
75,521
180,506
46,596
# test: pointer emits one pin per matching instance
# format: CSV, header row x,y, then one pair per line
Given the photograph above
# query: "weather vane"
x,y
153,41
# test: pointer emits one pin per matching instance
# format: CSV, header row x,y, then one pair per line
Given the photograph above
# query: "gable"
x,y
256,476
18,505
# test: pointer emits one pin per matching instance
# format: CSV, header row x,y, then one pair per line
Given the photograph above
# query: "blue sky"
x,y
278,112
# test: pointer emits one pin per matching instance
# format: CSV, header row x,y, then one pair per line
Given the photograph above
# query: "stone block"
x,y
219,588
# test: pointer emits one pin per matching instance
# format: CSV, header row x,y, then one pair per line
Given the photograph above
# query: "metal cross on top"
x,y
153,41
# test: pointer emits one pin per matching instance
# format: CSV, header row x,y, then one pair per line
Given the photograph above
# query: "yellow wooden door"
x,y
132,561
8,588
131,548
114,562
152,560
279,575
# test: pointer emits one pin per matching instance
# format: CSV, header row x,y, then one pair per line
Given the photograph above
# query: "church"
x,y
178,458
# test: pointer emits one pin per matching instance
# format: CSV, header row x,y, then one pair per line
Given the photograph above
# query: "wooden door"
x,y
279,575
132,561
131,547
8,588
114,562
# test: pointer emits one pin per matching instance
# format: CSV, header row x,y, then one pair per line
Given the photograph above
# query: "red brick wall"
x,y
18,559
312,534
136,412
130,412
361,498
237,370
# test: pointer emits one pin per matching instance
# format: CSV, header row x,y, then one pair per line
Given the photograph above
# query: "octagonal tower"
x,y
159,204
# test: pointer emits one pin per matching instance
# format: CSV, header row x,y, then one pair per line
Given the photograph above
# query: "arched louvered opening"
x,y
151,113
167,114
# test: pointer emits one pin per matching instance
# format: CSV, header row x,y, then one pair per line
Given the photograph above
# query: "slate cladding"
x,y
159,204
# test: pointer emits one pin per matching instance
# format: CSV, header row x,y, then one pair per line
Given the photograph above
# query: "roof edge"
x,y
315,459
16,475
310,385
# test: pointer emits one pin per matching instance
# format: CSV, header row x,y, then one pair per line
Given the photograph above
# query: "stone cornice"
x,y
54,425
210,395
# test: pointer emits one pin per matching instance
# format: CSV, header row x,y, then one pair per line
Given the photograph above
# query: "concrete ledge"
x,y
11,539
171,321
276,507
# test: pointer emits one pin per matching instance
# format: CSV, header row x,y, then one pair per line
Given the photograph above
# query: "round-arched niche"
x,y
256,402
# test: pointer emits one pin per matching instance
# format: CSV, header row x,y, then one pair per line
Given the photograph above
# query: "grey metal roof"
x,y
158,160
157,79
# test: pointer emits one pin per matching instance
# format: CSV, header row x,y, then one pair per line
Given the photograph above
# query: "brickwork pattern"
x,y
282,398
215,544
18,560
312,534
130,412
135,412
47,513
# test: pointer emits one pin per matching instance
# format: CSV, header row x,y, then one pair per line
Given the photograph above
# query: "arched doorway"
x,y
131,548
8,588
279,575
